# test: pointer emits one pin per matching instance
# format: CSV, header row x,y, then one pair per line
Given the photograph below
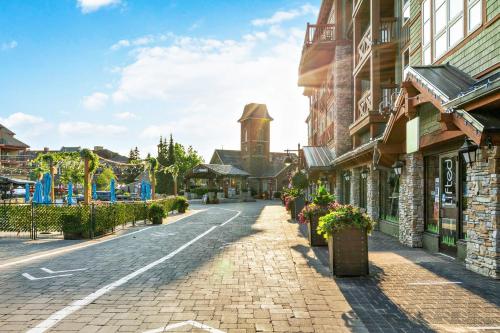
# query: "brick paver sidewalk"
x,y
411,290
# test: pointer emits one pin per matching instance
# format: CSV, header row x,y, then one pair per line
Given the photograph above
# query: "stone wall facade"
x,y
482,214
373,194
411,201
355,179
342,112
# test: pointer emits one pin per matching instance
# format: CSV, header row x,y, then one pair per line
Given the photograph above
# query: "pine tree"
x,y
161,177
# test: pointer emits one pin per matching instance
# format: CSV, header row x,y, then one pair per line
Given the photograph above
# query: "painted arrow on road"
x,y
185,323
33,278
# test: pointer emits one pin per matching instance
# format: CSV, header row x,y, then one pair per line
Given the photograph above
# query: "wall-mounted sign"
x,y
413,135
201,170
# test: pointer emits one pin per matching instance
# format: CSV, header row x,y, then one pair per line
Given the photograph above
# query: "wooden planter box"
x,y
348,252
314,238
292,209
181,210
299,205
72,235
157,220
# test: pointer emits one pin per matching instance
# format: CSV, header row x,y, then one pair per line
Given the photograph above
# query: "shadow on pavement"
x,y
364,294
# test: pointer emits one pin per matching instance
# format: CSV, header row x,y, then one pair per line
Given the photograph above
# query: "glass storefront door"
x,y
449,203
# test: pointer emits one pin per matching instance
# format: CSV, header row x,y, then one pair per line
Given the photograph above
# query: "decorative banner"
x,y
413,135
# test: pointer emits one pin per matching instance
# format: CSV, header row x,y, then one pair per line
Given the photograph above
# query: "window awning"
x,y
318,157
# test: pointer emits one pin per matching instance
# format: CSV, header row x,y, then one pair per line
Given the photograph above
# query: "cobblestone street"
x,y
240,268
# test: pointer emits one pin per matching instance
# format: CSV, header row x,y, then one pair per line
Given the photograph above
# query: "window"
x,y
475,14
443,25
426,34
406,11
389,196
406,59
448,25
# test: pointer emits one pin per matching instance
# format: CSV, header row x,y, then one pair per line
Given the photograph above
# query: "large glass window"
x,y
406,11
432,189
389,196
443,25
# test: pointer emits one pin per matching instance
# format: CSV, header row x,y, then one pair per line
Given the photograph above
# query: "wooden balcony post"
x,y
375,58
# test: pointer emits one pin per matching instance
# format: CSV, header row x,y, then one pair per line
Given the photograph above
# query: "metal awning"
x,y
318,157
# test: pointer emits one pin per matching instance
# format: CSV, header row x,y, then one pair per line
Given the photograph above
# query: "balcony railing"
x,y
365,103
365,44
318,33
388,97
327,135
387,34
387,30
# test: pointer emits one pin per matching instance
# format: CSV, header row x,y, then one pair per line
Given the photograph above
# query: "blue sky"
x,y
120,73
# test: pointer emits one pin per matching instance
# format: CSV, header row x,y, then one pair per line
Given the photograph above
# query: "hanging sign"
x,y
413,135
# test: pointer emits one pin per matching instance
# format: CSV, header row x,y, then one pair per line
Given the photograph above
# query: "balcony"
x,y
317,53
386,36
327,135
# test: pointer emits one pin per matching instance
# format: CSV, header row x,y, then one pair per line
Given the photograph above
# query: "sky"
x,y
122,73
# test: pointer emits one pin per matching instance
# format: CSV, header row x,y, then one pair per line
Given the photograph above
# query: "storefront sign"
x,y
201,170
449,181
413,135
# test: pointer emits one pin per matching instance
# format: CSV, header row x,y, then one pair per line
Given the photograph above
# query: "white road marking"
x,y
445,255
69,249
32,278
232,218
65,271
484,328
185,323
433,283
86,245
77,305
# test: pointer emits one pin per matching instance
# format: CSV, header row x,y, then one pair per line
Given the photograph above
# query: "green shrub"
x,y
277,195
73,223
156,213
181,204
322,197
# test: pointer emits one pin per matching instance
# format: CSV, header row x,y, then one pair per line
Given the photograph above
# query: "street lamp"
x,y
398,167
468,151
347,176
364,173
288,160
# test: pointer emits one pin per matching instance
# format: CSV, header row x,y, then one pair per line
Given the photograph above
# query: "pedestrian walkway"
x,y
411,290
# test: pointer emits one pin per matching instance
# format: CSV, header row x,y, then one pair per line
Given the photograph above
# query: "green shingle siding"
x,y
492,8
429,119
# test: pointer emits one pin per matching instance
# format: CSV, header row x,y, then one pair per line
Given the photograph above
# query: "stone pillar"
x,y
411,201
338,186
342,110
482,214
355,178
373,195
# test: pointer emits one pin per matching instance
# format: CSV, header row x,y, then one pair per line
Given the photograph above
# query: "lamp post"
x,y
469,151
288,159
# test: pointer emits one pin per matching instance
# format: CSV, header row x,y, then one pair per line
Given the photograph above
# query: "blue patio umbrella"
x,y
94,191
143,191
148,190
27,193
112,190
70,193
38,196
47,183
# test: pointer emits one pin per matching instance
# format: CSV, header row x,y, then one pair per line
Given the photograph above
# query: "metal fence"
x,y
36,221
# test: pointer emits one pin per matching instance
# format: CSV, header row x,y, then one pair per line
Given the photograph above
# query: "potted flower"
x,y
181,204
310,214
346,228
290,201
157,213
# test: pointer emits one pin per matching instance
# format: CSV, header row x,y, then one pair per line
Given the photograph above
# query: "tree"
x,y
131,172
173,170
162,178
186,160
104,178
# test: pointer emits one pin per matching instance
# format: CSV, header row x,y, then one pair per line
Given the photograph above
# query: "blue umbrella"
x,y
148,190
112,191
70,193
143,191
27,193
47,183
38,196
94,191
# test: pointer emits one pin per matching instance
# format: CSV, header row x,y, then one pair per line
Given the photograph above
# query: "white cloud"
x,y
96,101
9,45
89,6
125,115
26,126
282,16
20,118
81,128
199,87
140,41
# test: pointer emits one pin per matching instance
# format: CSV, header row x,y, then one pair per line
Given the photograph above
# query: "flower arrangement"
x,y
343,216
323,202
